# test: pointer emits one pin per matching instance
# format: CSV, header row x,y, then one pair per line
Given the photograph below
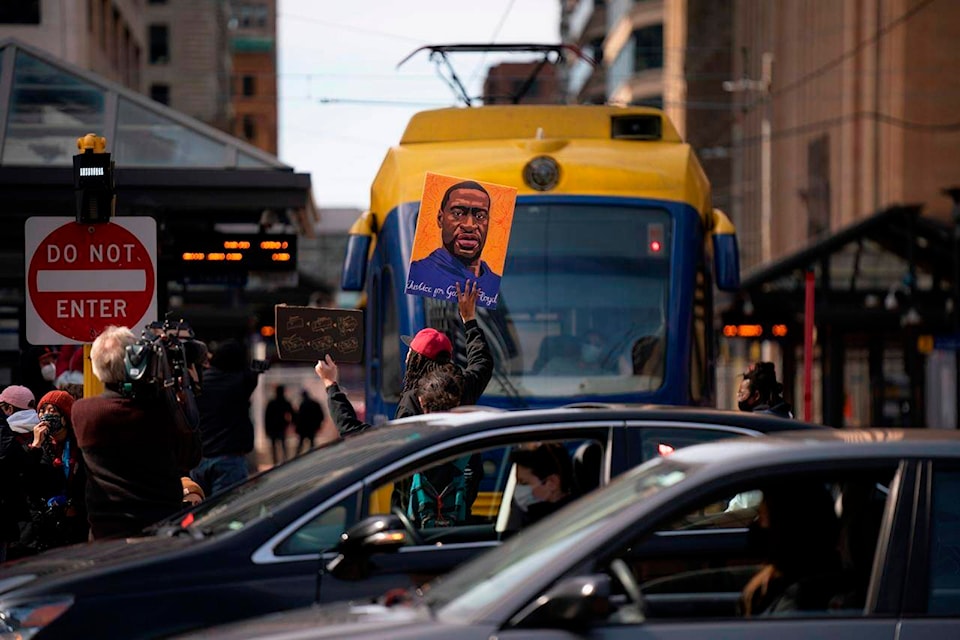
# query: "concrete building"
x,y
845,136
862,109
670,54
103,36
187,62
253,84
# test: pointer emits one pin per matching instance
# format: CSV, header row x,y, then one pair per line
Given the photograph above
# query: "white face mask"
x,y
590,353
523,496
49,371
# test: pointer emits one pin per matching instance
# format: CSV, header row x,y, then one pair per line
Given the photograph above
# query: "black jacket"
x,y
782,409
476,374
224,403
342,413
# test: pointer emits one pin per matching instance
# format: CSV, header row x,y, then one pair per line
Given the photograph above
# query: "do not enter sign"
x,y
82,278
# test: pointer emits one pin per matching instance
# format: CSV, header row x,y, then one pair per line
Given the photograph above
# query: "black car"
x,y
845,534
261,546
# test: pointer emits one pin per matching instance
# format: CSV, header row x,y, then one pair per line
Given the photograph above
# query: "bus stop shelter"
x,y
885,318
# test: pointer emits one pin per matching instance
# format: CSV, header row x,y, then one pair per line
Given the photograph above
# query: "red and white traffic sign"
x,y
82,278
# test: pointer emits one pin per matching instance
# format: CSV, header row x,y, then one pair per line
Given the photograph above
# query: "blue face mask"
x,y
523,496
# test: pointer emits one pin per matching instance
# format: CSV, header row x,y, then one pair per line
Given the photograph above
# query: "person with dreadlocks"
x,y
429,351
430,348
760,392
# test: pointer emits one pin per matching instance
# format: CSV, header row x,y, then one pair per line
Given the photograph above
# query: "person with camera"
x,y
54,478
137,445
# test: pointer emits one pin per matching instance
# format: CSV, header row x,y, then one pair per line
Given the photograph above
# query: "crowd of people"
x,y
74,469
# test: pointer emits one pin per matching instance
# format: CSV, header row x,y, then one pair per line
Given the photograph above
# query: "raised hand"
x,y
467,300
327,371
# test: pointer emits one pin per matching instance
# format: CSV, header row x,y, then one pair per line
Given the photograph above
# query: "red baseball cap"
x,y
429,343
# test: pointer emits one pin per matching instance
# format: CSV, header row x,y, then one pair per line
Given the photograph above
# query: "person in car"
x,y
797,531
544,482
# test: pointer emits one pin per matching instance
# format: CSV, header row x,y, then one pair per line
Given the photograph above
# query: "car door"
x,y
439,549
932,604
689,575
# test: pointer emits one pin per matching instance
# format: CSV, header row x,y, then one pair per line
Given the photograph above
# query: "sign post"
x,y
82,278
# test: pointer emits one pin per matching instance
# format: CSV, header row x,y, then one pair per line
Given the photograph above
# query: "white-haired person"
x,y
130,445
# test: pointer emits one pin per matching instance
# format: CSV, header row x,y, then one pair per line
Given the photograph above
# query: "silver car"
x,y
836,534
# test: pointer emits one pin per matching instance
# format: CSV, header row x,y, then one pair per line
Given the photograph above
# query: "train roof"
x,y
601,150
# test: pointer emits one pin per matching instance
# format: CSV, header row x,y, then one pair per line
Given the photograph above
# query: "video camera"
x,y
160,359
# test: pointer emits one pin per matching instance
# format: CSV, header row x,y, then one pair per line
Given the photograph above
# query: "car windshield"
x,y
583,309
266,493
476,585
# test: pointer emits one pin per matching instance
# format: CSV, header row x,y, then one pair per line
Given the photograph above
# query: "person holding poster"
x,y
463,221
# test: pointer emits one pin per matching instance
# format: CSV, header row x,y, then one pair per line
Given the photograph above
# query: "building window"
x,y
160,93
648,48
249,127
249,86
253,16
817,194
159,44
20,12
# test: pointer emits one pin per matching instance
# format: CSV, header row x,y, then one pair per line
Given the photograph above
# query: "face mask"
x,y
745,405
523,496
49,372
590,353
54,423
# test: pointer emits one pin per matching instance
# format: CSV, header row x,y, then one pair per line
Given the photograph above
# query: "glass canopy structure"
x,y
45,104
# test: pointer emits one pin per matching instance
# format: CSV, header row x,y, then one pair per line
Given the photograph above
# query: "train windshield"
x,y
583,302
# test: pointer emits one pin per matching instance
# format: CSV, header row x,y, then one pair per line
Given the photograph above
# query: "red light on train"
x,y
654,238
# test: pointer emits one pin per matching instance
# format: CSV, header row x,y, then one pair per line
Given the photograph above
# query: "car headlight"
x,y
22,619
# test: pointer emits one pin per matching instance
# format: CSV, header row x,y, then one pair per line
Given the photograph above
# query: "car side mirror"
x,y
572,604
376,534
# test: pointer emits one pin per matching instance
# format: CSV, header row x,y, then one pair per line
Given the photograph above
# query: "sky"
x,y
342,100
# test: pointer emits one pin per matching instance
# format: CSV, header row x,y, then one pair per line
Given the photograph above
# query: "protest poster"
x,y
462,234
310,333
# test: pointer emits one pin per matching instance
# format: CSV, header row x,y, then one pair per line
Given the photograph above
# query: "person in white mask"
x,y
544,480
19,406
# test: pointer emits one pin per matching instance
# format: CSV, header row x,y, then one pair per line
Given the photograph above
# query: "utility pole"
x,y
761,87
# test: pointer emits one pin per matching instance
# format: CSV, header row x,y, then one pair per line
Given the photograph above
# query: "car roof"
x,y
823,445
487,417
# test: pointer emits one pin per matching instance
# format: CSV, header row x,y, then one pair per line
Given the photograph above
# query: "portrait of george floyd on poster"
x,y
462,234
309,333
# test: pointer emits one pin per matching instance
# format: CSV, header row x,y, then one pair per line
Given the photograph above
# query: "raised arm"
x,y
341,411
479,367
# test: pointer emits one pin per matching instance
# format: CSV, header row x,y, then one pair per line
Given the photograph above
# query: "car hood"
x,y
86,557
338,620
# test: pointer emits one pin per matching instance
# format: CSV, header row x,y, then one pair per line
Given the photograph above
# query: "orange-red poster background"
x,y
428,240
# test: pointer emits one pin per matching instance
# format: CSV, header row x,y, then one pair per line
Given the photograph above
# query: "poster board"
x,y
310,333
462,234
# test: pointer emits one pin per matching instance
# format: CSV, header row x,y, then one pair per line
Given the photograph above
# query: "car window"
x,y
945,544
804,547
461,499
662,441
322,532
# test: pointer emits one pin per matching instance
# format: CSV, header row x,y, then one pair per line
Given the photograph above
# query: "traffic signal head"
x,y
93,181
